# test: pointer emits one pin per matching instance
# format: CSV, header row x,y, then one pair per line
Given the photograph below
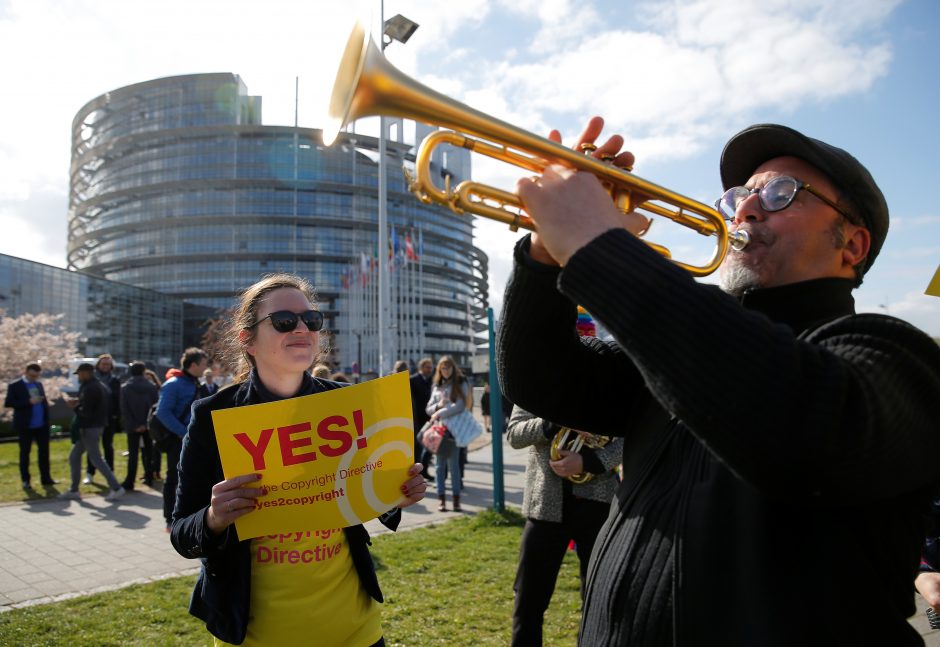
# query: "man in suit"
x,y
208,386
420,394
27,398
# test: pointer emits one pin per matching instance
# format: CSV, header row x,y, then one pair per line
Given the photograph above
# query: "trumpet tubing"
x,y
368,85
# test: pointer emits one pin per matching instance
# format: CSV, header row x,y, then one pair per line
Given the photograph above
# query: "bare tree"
x,y
36,338
215,342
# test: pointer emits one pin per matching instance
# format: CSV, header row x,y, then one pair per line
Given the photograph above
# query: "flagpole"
x,y
421,292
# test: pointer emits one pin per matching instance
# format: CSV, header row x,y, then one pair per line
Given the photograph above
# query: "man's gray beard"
x,y
737,278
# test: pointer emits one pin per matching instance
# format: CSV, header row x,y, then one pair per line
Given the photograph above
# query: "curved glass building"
x,y
177,187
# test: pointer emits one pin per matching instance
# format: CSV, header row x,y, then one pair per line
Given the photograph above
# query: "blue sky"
x,y
675,78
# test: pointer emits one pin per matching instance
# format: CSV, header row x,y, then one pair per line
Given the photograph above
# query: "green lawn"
x,y
11,486
444,585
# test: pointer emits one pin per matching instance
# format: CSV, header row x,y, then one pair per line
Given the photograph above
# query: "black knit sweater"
x,y
778,456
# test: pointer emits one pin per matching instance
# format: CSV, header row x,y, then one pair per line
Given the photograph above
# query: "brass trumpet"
x,y
574,441
368,85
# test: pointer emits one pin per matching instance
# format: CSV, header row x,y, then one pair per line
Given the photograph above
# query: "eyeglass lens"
x,y
776,195
286,321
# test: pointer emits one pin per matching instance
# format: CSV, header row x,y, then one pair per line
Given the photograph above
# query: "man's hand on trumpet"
x,y
570,209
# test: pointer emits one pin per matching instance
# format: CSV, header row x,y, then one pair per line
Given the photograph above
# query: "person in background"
x,y
173,409
138,395
27,398
401,366
927,582
244,599
156,456
208,384
420,382
104,368
450,396
557,511
92,414
485,407
322,371
340,377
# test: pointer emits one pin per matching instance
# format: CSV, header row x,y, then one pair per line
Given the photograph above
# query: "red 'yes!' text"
x,y
296,441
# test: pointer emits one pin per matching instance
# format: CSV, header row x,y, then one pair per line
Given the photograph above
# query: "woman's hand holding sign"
x,y
414,487
231,500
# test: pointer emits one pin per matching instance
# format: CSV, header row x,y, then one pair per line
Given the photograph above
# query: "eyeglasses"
x,y
776,195
286,321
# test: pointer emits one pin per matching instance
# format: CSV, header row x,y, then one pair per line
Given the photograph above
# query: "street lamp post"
x,y
396,28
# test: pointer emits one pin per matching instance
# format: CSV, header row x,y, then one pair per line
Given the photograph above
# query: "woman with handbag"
x,y
245,597
450,405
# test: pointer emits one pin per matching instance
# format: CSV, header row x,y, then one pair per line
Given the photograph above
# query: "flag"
x,y
396,244
363,269
933,288
409,249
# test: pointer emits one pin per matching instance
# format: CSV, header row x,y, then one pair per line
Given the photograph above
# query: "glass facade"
x,y
177,187
129,322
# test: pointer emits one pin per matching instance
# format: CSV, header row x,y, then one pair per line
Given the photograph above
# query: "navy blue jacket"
x,y
420,394
18,400
223,589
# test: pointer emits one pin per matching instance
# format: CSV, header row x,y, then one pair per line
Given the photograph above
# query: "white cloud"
x,y
669,76
912,223
916,308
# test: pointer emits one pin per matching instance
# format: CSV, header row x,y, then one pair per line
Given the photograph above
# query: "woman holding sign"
x,y
276,589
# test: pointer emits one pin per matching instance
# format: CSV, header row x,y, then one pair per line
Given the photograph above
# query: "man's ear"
x,y
857,244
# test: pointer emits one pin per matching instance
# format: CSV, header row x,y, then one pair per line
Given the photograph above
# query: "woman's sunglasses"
x,y
286,321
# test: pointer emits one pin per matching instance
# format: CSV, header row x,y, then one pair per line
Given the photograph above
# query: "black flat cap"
x,y
85,366
756,144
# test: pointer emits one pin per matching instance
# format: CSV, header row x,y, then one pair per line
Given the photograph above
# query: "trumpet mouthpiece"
x,y
739,240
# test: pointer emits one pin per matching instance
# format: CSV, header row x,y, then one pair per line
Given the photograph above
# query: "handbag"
x,y
438,439
464,427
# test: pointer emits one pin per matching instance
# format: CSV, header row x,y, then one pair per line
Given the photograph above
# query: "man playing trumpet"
x,y
780,449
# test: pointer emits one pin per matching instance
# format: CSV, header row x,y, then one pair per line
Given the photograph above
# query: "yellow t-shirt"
x,y
305,590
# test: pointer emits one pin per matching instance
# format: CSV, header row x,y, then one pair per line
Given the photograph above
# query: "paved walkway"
x,y
54,550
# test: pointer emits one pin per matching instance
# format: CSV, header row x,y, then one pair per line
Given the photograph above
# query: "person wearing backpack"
x,y
173,410
138,395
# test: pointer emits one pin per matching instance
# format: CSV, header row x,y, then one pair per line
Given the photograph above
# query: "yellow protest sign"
x,y
327,460
934,288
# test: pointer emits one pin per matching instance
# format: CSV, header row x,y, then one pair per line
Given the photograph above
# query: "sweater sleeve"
x,y
849,411
537,338
200,468
525,429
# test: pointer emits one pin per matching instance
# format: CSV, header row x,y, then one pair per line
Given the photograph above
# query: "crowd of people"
x,y
700,515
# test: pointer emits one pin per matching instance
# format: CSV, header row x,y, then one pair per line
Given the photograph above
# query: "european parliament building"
x,y
128,322
177,187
